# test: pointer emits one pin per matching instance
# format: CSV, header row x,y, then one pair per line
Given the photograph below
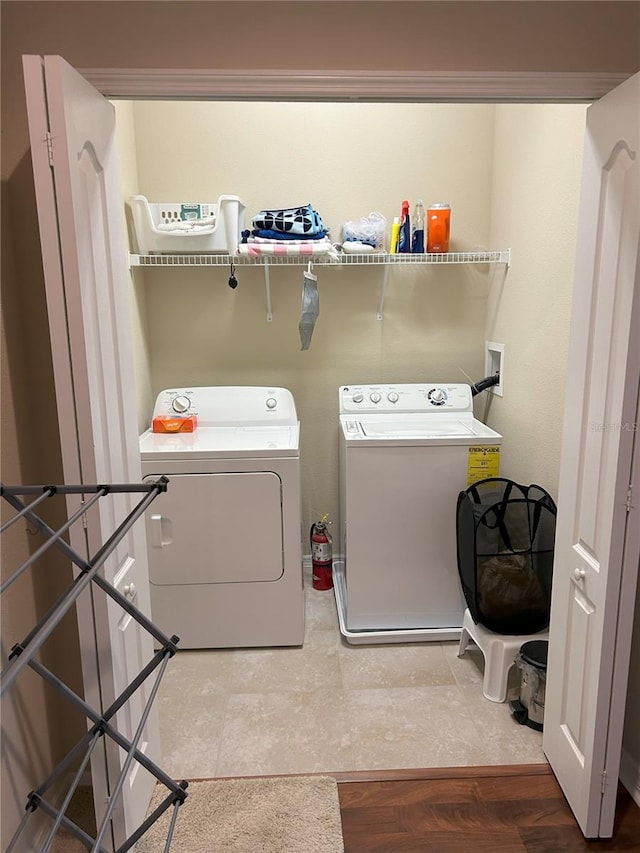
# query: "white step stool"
x,y
499,652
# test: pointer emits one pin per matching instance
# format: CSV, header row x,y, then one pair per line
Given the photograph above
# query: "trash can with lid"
x,y
528,709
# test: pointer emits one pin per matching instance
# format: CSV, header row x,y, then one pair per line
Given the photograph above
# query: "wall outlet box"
x,y
494,363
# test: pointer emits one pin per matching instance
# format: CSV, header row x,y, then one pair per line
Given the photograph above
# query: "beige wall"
x,y
347,160
512,174
127,157
536,183
515,37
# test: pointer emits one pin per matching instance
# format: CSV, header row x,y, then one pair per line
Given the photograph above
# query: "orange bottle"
x,y
438,227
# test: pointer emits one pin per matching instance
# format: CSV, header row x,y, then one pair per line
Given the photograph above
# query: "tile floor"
x,y
330,706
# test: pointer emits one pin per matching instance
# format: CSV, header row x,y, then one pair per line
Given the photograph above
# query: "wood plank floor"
x,y
515,809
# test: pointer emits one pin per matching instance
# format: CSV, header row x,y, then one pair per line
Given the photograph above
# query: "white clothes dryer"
x,y
224,540
406,451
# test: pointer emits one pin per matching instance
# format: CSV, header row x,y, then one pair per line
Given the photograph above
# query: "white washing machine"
x,y
224,541
406,451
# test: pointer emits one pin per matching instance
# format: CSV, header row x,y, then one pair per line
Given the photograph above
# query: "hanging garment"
x,y
310,308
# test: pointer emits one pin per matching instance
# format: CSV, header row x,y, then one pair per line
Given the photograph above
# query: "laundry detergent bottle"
x,y
438,227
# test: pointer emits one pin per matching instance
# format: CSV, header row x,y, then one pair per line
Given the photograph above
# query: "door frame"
x,y
389,87
238,84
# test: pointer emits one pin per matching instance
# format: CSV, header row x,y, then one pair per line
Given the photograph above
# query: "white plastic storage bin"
x,y
216,226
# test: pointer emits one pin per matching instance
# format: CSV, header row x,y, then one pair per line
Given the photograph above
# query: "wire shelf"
x,y
380,259
375,258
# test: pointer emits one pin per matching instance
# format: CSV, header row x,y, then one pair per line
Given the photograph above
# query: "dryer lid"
x,y
221,442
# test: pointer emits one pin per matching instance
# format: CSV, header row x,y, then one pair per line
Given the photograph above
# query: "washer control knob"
x,y
271,403
437,396
358,397
375,397
181,404
393,396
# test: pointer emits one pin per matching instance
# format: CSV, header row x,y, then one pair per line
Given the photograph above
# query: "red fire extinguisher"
x,y
321,554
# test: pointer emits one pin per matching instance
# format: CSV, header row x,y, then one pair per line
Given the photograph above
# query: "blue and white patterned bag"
x,y
292,220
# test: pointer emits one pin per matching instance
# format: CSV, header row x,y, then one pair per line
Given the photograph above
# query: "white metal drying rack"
x,y
22,655
193,259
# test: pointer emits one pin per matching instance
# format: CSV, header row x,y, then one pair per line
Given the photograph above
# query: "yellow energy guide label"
x,y
484,461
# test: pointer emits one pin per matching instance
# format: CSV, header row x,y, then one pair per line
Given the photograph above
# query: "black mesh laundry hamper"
x,y
505,540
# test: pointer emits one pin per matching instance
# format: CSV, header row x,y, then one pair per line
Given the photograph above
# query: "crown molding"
x,y
351,85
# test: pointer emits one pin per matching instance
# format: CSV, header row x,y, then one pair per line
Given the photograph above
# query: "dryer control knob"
x,y
358,398
375,397
271,403
393,396
181,404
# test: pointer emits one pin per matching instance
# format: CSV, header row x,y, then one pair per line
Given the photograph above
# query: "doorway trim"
x,y
487,86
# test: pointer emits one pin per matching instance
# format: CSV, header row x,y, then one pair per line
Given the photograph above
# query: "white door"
x,y
80,210
597,536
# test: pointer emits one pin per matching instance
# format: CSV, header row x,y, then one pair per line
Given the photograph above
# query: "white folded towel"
x,y
289,247
196,225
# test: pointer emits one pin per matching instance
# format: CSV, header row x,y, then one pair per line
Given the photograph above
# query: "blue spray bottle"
x,y
404,242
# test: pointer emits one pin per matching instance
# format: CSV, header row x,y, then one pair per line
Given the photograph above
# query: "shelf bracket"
x,y
383,292
267,287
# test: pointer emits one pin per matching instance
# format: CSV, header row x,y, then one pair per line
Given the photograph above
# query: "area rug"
x,y
293,814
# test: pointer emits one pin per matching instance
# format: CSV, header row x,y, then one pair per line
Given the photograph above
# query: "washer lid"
x,y
221,442
416,428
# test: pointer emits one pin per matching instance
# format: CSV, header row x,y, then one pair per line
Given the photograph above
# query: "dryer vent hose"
x,y
485,383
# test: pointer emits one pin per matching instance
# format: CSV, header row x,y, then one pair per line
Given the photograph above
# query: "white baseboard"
x,y
630,775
